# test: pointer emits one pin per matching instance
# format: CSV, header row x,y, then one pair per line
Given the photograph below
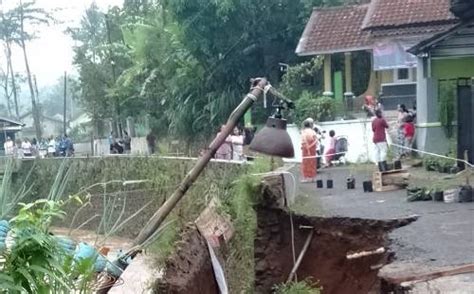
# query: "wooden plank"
x,y
430,275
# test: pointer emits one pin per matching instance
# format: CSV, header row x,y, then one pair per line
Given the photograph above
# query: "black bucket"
x,y
367,186
351,182
438,196
319,183
465,194
397,165
329,184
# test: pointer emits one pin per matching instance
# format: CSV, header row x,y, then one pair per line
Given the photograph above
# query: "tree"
x,y
8,31
29,14
100,57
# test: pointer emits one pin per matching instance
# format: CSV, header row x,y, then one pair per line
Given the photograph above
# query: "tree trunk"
x,y
13,79
116,103
34,110
7,93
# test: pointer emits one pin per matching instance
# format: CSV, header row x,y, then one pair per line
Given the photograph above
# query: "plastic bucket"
x,y
367,186
319,183
350,183
329,184
449,196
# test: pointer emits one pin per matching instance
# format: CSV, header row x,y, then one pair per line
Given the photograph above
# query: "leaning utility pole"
x,y
65,103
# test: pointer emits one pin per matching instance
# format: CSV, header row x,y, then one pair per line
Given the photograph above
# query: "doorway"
x,y
465,126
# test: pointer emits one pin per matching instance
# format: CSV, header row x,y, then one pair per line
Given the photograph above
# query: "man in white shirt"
x,y
9,146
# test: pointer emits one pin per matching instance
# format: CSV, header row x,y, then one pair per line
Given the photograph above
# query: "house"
x,y
51,126
8,128
385,29
447,59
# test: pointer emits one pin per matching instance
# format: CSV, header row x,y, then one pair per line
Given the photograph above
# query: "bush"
x,y
318,108
301,287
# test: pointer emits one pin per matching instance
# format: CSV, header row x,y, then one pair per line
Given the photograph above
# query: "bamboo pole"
x,y
300,257
157,219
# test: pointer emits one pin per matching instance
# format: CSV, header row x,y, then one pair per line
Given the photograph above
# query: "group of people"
x,y
51,147
233,146
405,135
120,146
310,139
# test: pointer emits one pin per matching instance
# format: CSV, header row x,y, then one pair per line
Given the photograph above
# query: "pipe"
x,y
156,220
300,257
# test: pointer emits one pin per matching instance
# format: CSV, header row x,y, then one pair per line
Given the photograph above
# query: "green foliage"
x,y
318,108
298,76
301,287
239,203
36,262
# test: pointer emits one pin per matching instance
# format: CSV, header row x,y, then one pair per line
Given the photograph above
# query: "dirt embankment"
x,y
189,270
325,260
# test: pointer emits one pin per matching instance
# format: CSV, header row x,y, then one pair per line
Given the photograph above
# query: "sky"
x,y
51,53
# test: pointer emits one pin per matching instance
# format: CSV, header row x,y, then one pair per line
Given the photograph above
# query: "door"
x,y
465,119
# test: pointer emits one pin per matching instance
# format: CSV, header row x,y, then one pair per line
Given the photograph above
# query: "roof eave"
x,y
425,45
342,50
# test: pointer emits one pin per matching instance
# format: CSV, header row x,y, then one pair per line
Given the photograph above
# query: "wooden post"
x,y
327,76
64,104
300,257
348,71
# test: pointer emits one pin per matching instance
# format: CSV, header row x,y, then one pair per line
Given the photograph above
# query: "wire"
x,y
432,154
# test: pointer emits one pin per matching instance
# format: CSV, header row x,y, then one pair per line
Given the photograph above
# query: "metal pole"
x,y
64,109
156,220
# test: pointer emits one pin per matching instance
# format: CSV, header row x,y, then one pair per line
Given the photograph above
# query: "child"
x,y
332,148
409,133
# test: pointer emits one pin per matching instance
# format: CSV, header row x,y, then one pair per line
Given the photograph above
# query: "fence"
x,y
101,147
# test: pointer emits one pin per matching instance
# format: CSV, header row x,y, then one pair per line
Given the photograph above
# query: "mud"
x,y
325,260
189,270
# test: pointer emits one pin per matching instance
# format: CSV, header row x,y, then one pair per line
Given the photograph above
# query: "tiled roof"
x,y
421,30
332,30
396,13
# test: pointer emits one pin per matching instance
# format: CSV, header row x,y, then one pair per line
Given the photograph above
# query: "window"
x,y
403,75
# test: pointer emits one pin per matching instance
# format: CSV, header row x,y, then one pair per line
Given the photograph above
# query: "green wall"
x,y
453,68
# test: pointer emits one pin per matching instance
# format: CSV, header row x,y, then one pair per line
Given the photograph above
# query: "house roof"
x,y
337,29
427,44
358,27
11,121
402,13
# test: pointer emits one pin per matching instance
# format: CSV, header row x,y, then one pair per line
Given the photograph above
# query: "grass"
x,y
301,287
239,203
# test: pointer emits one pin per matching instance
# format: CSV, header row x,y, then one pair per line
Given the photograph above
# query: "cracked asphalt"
x,y
442,236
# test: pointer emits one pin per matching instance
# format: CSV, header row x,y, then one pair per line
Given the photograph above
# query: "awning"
x,y
392,54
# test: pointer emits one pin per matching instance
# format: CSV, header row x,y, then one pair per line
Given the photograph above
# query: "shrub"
x,y
318,108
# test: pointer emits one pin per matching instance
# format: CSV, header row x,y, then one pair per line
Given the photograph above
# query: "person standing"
x,y
51,147
379,125
225,150
409,133
401,118
127,143
9,147
332,148
151,143
309,143
26,148
237,145
111,142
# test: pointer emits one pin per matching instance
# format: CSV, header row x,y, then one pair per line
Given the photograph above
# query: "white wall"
x,y
359,136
